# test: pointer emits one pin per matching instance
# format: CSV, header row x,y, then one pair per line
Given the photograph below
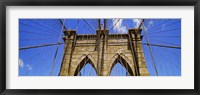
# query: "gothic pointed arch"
x,y
82,61
124,61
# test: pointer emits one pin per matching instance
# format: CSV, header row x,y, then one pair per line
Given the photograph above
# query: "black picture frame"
x,y
4,3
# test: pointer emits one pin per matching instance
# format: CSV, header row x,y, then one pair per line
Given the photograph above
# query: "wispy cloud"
x,y
21,63
119,27
29,67
163,27
151,23
137,22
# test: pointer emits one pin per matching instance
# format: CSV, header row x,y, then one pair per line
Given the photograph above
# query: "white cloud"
x,y
29,67
163,27
119,28
21,63
137,22
150,23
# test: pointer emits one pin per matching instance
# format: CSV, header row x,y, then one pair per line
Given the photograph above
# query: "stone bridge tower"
x,y
103,50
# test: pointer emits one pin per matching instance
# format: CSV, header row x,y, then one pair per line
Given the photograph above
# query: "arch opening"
x,y
120,68
86,68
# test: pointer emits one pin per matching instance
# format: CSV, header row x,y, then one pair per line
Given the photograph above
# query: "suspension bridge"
x,y
100,47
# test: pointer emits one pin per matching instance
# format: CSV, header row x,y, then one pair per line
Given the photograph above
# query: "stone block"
x,y
115,45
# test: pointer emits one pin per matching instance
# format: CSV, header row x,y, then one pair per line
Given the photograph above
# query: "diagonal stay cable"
x,y
35,33
43,25
44,45
41,30
115,24
154,63
160,45
62,23
166,36
89,25
52,68
38,46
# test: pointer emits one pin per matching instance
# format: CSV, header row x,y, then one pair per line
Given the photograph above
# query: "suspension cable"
x,y
88,25
150,49
115,24
52,68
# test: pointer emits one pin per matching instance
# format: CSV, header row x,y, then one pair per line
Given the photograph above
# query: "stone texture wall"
x,y
82,49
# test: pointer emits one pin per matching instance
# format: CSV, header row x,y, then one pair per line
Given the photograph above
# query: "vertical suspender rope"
x,y
63,27
51,72
154,63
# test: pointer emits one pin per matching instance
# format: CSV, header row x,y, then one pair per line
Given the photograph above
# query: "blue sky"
x,y
38,61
